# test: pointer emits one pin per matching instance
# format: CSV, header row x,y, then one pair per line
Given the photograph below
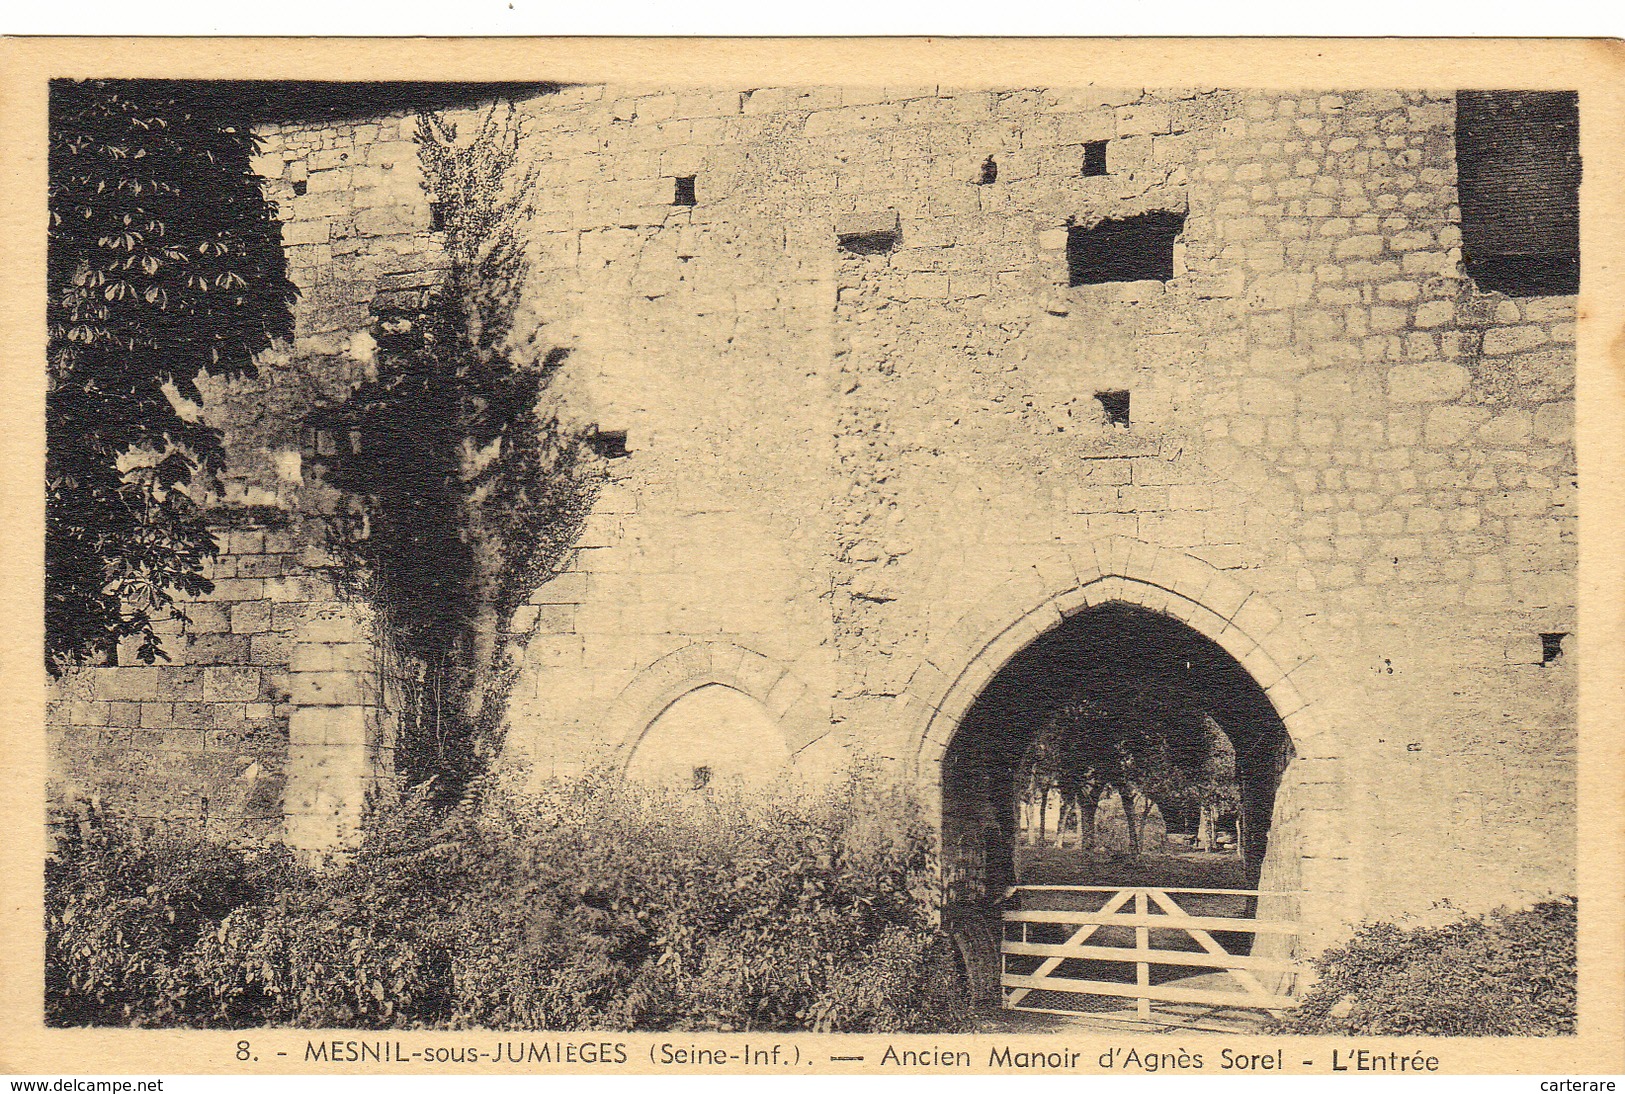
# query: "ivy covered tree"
x,y
471,479
164,261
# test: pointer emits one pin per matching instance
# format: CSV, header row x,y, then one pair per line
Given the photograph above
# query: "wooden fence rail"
x,y
1142,909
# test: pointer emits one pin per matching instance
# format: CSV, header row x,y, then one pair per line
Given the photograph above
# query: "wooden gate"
x,y
1077,970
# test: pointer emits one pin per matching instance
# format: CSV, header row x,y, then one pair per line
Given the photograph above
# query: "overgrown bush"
x,y
125,910
592,904
1505,973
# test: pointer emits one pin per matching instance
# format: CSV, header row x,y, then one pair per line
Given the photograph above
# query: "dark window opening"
x,y
990,172
1136,249
868,243
609,443
1551,646
1115,404
1094,158
683,193
1518,173
437,216
300,187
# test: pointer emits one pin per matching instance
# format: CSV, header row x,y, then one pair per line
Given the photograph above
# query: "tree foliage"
x,y
1155,742
164,260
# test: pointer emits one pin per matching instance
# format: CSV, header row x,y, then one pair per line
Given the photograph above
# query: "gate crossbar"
x,y
1169,916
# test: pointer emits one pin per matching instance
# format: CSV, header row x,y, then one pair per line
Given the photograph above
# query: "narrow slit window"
x,y
1133,249
683,192
990,172
1094,158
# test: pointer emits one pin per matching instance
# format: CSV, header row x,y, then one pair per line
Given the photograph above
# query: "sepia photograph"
x,y
1028,562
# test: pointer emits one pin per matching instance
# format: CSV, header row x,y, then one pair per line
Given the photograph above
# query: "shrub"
x,y
124,908
591,903
1505,973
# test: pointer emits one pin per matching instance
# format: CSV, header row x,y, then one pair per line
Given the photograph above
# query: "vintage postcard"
x,y
813,557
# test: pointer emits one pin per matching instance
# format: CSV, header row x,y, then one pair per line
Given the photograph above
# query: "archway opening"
x,y
1119,748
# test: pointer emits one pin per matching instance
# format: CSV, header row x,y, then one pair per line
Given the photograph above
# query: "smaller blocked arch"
x,y
713,732
784,701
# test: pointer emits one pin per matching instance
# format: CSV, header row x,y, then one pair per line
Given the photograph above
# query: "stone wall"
x,y
865,445
275,716
838,456
201,740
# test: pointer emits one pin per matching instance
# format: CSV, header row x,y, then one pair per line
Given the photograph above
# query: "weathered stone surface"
x,y
842,462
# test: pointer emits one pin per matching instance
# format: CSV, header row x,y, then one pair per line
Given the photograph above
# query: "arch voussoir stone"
x,y
1224,595
1184,574
686,669
1143,561
1056,573
928,684
1236,642
959,664
1262,668
1285,697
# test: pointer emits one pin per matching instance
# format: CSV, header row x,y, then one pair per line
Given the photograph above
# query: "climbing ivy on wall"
x,y
163,261
471,481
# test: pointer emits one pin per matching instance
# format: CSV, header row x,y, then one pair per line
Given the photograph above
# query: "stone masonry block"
x,y
1499,340
331,688
179,682
127,683
328,726
391,220
306,231
1429,382
251,617
1554,423
217,649
1144,118
230,684
205,617
334,625
342,769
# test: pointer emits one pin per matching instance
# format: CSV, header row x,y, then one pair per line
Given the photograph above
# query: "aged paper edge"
x,y
1595,67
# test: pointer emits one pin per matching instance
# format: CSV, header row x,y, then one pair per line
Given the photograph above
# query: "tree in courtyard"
x,y
164,261
1204,777
1155,745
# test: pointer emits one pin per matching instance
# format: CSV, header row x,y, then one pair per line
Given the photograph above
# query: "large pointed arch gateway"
x,y
1118,606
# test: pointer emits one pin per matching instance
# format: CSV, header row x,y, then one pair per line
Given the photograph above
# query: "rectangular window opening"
x,y
300,187
1134,249
437,216
683,192
1518,175
1115,404
1094,158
